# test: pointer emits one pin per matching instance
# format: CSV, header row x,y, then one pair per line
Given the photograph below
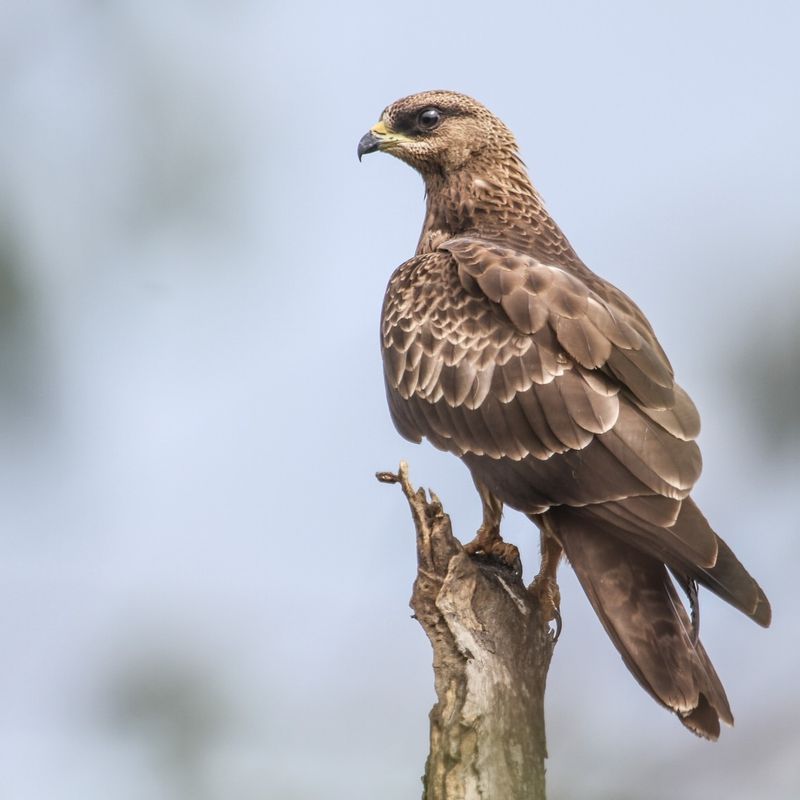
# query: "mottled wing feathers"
x,y
552,388
592,331
490,353
461,375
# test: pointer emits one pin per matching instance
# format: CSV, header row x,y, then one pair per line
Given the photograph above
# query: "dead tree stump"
x,y
491,653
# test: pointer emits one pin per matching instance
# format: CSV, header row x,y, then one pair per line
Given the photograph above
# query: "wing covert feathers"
x,y
592,331
551,386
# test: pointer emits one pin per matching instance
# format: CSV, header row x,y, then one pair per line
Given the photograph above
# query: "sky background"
x,y
203,589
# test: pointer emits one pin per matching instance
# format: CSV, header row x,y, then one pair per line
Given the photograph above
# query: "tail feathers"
x,y
727,578
639,607
679,545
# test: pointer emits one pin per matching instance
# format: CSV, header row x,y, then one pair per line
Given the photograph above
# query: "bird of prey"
x,y
500,346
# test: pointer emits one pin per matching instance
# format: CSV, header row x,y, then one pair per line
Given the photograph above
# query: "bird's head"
x,y
438,132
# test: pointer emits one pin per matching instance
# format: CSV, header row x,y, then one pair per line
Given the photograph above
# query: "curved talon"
x,y
548,596
557,631
507,553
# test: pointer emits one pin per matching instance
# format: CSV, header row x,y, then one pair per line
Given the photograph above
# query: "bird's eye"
x,y
429,119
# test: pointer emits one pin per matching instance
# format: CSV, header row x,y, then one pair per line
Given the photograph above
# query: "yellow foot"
x,y
547,594
490,543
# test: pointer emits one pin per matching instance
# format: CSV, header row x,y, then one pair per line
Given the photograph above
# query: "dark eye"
x,y
429,119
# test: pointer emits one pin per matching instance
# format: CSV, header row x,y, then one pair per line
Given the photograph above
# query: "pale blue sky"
x,y
191,403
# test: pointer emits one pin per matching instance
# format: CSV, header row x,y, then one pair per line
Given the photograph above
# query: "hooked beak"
x,y
369,144
379,137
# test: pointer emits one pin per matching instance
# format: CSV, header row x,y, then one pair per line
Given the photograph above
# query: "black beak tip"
x,y
369,144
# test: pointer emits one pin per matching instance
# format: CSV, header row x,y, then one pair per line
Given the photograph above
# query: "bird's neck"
x,y
491,199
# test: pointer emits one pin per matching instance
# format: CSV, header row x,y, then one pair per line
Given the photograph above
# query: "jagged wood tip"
x,y
491,653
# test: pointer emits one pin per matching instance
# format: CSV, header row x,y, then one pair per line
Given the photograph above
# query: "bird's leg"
x,y
544,586
488,539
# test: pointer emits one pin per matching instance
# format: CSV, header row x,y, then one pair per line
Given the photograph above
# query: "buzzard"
x,y
502,347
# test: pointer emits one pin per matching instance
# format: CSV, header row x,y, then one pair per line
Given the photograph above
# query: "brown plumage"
x,y
502,347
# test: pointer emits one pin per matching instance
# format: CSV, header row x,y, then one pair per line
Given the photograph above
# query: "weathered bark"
x,y
491,653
